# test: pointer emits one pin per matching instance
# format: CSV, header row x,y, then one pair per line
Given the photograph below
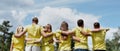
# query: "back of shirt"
x,y
83,44
18,43
98,39
34,32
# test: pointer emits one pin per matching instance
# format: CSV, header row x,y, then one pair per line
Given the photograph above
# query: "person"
x,y
34,33
64,40
80,36
17,44
47,42
98,37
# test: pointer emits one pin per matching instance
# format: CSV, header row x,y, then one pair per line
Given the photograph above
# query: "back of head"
x,y
35,20
96,25
64,24
80,23
19,29
50,26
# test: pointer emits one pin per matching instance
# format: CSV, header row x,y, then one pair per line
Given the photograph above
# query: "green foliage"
x,y
114,44
5,36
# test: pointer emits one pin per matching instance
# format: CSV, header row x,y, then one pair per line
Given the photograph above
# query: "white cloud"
x,y
19,15
55,16
15,4
109,34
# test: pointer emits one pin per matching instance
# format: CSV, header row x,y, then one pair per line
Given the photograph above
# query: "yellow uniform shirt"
x,y
18,43
98,39
46,44
83,44
34,32
65,44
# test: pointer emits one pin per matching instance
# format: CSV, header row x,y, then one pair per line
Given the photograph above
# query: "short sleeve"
x,y
104,31
73,29
26,28
89,31
41,27
54,35
12,39
57,33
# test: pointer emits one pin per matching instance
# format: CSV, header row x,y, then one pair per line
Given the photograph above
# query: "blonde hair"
x,y
18,28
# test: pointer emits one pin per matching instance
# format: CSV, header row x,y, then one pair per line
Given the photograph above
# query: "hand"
x,y
107,29
78,40
37,41
50,41
64,37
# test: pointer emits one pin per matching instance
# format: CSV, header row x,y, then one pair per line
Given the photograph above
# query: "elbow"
x,y
17,36
87,34
67,33
45,36
73,37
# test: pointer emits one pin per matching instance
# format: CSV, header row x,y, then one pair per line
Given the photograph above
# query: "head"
x,y
80,23
19,29
64,26
96,25
35,20
48,27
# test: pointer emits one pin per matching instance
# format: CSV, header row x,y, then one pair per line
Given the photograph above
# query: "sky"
x,y
20,12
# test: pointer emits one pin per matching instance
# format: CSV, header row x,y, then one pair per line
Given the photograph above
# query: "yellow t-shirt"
x,y
83,44
18,43
46,45
98,39
65,44
34,32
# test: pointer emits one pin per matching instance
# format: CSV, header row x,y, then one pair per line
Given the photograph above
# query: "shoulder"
x,y
87,29
13,36
74,29
58,31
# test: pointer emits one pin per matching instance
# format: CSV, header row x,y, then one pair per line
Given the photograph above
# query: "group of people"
x,y
41,38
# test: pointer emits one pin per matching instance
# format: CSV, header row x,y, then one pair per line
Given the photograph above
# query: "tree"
x,y
5,36
114,44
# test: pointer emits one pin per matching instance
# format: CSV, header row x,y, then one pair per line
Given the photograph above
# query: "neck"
x,y
34,23
81,26
96,28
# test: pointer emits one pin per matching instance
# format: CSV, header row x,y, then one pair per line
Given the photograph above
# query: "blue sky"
x,y
20,12
108,9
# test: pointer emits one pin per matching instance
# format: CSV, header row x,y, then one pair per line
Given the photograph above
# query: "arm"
x,y
38,40
85,33
55,40
20,34
96,30
67,32
28,39
75,38
107,29
46,35
11,47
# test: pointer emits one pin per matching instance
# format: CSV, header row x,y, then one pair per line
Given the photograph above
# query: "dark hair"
x,y
50,27
64,23
35,20
96,25
43,26
80,22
